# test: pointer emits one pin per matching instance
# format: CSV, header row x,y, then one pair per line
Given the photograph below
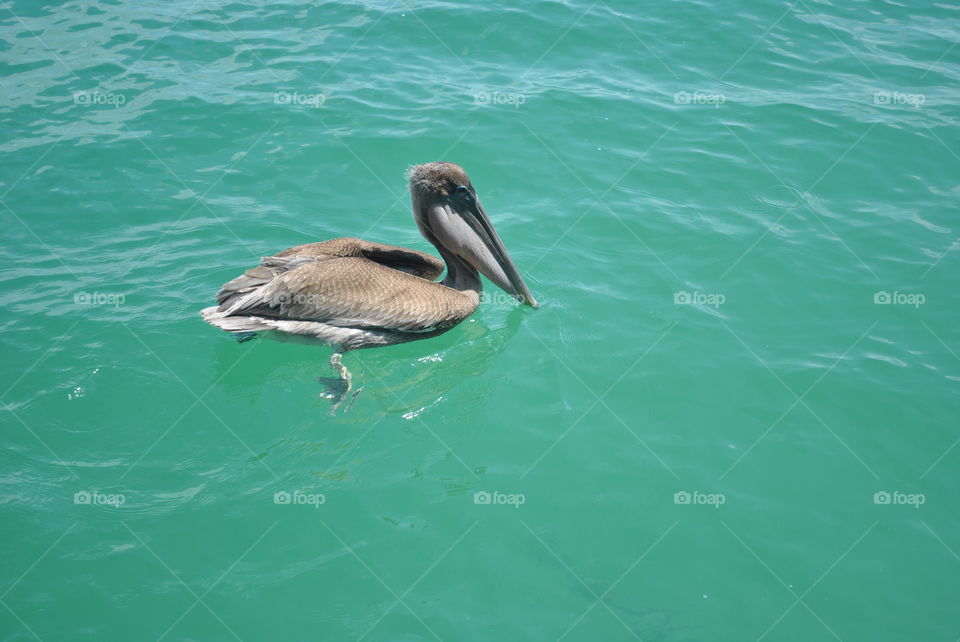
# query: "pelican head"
x,y
449,215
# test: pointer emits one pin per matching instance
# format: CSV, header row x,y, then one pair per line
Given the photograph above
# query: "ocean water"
x,y
734,416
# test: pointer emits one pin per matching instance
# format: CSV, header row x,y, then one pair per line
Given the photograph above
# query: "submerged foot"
x,y
338,388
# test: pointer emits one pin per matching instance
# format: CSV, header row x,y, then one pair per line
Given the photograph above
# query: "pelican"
x,y
349,293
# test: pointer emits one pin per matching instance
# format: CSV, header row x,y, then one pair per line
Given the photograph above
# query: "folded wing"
x,y
348,282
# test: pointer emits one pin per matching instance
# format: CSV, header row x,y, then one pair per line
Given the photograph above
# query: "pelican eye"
x,y
463,191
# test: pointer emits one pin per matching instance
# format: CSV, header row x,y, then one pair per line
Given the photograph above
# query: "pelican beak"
x,y
501,269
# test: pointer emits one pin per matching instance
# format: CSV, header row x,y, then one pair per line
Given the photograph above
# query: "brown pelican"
x,y
350,294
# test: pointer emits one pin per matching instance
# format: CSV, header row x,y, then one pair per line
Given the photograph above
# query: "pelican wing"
x,y
398,258
392,256
348,283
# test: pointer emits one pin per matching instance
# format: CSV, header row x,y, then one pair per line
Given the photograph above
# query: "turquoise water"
x,y
734,416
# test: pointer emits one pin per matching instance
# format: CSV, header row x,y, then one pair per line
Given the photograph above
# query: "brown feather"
x,y
349,282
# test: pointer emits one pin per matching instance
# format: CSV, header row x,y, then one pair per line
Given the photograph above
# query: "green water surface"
x,y
733,417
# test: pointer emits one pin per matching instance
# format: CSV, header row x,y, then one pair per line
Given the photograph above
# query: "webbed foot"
x,y
338,388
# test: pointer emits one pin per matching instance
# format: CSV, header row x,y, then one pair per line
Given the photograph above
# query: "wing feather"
x,y
349,283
